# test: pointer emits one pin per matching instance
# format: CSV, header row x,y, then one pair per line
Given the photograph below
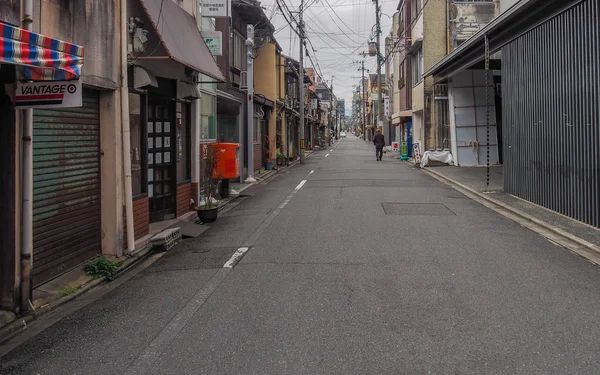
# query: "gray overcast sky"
x,y
338,36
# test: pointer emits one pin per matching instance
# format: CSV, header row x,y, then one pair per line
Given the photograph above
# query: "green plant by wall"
x,y
67,291
101,267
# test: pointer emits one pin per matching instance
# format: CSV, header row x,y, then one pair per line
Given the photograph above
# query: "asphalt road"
x,y
351,266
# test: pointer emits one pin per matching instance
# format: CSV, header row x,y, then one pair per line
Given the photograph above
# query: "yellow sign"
x,y
380,127
302,143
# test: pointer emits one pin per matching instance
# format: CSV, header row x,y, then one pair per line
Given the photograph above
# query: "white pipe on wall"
x,y
125,132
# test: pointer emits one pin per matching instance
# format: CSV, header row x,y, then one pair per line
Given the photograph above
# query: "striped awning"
x,y
45,59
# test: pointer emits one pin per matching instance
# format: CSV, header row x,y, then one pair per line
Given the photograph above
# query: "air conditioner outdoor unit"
x,y
244,80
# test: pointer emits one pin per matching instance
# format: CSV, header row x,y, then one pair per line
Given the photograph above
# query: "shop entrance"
x,y
161,165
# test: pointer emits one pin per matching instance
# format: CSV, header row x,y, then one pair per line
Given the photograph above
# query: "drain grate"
x,y
416,209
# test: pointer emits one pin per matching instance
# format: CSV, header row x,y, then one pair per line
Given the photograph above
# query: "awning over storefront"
x,y
516,21
397,117
47,59
180,38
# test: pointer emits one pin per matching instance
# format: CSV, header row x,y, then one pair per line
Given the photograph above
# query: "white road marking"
x,y
330,150
327,155
300,185
311,172
235,257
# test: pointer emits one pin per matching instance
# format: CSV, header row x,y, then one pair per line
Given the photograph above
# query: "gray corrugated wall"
x,y
551,110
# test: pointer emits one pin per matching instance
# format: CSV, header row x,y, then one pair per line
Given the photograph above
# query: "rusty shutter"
x,y
66,187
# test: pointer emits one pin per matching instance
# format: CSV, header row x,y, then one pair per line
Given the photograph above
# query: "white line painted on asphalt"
x,y
330,150
327,155
265,224
236,257
143,364
300,185
311,172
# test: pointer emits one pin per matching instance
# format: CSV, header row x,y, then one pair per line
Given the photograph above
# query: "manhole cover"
x,y
416,209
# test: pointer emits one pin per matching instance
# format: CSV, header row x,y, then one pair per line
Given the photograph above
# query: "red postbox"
x,y
228,160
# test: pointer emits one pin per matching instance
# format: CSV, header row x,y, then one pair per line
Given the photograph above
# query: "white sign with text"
x,y
215,8
50,94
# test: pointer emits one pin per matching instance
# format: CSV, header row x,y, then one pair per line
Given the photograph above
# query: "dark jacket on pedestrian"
x,y
379,140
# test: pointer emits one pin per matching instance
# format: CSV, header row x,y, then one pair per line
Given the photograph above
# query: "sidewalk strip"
x,y
236,257
569,241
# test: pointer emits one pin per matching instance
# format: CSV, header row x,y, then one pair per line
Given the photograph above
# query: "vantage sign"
x,y
50,94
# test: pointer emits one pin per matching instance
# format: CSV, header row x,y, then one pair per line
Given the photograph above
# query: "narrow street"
x,y
366,268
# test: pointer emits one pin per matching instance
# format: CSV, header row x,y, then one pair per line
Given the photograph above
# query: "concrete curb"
x,y
12,329
593,248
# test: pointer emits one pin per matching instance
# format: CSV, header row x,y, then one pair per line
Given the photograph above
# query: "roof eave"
x,y
516,21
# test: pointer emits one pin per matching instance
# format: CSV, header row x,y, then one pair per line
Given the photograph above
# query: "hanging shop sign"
x,y
214,41
49,94
215,8
386,106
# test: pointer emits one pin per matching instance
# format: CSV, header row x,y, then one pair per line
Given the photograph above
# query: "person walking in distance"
x,y
379,142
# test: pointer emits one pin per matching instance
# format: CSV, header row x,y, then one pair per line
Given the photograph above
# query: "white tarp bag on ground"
x,y
441,156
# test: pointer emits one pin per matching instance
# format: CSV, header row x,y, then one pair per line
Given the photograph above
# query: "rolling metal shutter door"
x,y
66,187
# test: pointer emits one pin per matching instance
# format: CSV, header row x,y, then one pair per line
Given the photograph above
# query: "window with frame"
x,y
415,8
401,23
256,130
138,151
417,66
208,118
401,80
238,52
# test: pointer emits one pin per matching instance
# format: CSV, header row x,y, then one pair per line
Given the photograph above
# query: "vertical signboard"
x,y
386,106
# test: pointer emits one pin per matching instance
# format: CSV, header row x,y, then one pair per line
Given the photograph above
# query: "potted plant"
x,y
280,159
269,164
208,208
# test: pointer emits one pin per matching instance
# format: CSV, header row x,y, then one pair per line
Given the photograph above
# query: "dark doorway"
x,y
161,160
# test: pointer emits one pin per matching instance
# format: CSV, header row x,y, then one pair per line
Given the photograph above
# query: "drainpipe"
x,y
26,185
448,41
125,132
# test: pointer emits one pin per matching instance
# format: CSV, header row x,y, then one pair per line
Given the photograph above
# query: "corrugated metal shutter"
x,y
66,187
551,114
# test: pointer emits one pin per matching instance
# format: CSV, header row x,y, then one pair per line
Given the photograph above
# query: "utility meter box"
x,y
228,160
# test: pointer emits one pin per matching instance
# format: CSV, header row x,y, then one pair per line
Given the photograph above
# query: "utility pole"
x,y
301,76
331,102
362,99
250,102
379,98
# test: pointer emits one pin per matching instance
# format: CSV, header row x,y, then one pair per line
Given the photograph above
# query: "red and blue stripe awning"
x,y
44,58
